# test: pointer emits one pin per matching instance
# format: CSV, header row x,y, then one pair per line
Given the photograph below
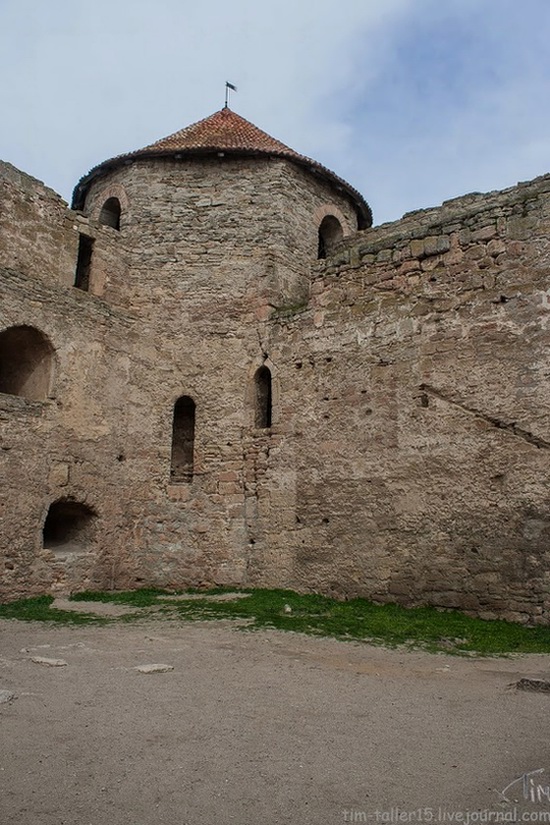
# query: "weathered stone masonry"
x,y
422,453
373,423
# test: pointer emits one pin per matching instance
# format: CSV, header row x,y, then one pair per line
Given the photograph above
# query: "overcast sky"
x,y
411,101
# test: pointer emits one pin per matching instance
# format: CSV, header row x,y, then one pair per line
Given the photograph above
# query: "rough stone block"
x,y
59,475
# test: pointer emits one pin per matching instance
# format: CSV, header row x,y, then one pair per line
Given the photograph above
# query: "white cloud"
x,y
462,106
91,80
411,100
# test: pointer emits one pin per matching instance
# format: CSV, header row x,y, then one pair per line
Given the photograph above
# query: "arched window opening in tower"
x,y
83,263
264,412
183,440
69,527
110,213
26,363
330,234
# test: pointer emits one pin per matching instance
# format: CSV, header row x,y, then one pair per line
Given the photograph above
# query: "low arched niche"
x,y
69,526
26,363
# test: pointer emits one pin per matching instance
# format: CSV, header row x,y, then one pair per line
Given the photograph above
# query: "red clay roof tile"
x,y
222,130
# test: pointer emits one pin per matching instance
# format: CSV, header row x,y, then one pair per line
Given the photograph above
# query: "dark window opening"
x,y
330,234
26,363
110,213
69,526
83,263
183,440
263,398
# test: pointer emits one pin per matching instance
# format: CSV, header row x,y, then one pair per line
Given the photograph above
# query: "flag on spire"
x,y
227,87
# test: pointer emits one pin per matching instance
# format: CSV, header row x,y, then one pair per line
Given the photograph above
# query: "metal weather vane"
x,y
228,86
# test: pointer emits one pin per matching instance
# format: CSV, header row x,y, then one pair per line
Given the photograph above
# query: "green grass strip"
x,y
358,619
39,609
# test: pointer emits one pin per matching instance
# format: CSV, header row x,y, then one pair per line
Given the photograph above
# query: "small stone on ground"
x,y
540,685
6,696
154,668
42,660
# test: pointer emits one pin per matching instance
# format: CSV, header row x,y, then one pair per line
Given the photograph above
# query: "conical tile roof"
x,y
224,130
228,133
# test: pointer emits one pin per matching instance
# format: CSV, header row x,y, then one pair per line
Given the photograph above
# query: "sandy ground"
x,y
263,727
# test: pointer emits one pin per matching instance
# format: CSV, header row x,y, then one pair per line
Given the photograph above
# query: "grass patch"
x,y
361,620
39,609
358,619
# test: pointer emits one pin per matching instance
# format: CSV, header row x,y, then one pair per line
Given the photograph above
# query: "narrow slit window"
x,y
264,412
183,440
83,263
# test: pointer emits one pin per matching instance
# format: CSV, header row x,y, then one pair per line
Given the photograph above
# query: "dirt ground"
x,y
262,727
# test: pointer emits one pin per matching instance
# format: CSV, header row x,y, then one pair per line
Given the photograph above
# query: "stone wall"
x,y
407,455
417,392
69,445
39,236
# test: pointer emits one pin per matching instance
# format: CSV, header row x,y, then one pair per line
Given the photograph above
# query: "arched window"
x,y
69,526
110,213
183,440
263,411
330,233
26,363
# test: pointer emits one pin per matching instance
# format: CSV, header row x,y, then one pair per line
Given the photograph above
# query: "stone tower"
x,y
186,249
221,199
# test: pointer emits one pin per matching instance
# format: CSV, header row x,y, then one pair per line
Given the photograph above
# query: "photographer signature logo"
x,y
531,787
